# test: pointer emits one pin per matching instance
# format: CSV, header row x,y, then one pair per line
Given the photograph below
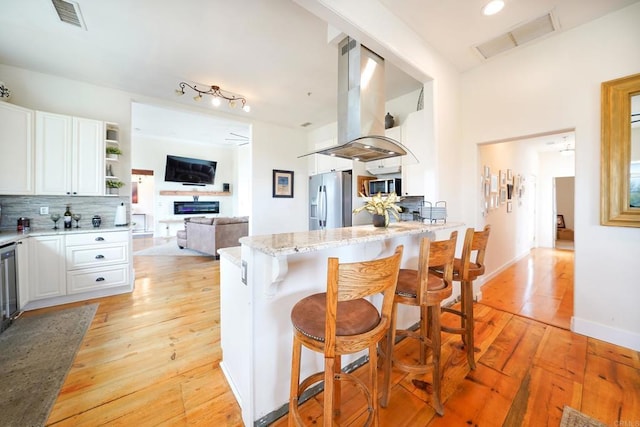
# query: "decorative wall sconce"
x,y
217,94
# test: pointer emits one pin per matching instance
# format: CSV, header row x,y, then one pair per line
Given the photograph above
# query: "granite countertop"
x,y
10,236
310,241
233,254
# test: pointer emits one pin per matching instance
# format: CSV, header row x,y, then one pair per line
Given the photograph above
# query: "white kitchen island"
x,y
262,280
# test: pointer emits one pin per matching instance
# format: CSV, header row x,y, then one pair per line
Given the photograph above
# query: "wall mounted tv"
x,y
189,171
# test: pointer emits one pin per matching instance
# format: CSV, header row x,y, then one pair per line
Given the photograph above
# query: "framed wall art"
x,y
560,221
282,183
494,183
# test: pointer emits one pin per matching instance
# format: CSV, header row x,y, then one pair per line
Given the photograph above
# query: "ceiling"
x,y
275,53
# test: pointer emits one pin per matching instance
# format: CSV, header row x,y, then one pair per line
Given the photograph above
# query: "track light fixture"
x,y
217,94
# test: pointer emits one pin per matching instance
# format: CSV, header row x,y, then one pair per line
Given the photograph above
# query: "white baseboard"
x,y
602,332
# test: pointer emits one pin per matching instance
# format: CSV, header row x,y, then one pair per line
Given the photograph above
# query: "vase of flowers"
x,y
380,207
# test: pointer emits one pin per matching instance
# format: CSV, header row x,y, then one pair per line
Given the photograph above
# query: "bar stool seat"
x,y
354,317
341,321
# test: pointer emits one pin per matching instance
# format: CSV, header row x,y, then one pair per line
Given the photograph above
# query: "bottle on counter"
x,y
67,217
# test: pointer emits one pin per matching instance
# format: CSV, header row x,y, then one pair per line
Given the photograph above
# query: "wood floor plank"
x,y
563,353
513,351
611,391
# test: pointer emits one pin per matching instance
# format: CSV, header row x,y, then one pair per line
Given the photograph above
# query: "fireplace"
x,y
196,207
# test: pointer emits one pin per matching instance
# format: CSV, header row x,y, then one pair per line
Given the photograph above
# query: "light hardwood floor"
x,y
151,358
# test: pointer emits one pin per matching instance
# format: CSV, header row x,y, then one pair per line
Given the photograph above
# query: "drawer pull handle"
x,y
100,279
99,239
99,256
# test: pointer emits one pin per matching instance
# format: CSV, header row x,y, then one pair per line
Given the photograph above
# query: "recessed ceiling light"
x,y
493,7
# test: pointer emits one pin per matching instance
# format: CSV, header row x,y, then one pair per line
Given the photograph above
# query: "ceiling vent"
x,y
69,12
518,36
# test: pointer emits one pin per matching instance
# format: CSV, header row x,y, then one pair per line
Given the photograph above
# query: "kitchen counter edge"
x,y
7,236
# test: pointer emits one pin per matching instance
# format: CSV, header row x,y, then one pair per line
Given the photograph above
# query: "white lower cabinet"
x,y
47,275
65,266
97,261
91,279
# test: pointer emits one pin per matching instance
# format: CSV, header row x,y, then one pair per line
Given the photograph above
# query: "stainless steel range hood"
x,y
361,103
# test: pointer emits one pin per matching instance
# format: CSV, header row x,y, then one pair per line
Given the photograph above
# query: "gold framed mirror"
x,y
620,153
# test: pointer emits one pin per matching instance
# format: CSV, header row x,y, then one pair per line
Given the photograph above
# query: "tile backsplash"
x,y
14,207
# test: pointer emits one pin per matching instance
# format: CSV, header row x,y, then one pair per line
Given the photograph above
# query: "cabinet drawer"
x,y
97,238
97,278
96,255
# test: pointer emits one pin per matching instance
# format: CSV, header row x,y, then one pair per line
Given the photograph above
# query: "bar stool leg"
x,y
295,380
373,378
469,323
329,391
387,353
337,387
436,341
424,334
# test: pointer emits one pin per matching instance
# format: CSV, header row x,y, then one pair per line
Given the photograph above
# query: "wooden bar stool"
x,y
340,321
465,271
420,289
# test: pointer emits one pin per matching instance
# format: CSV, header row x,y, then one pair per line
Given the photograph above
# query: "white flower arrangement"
x,y
381,205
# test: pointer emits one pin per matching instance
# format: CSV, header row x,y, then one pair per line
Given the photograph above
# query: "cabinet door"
x,y
22,256
88,157
47,275
418,138
16,150
53,153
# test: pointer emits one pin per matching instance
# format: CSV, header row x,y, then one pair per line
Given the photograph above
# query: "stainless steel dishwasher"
x,y
8,285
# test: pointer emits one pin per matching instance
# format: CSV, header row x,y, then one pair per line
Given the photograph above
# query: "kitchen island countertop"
x,y
311,241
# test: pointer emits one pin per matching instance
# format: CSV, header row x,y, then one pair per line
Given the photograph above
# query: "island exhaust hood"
x,y
361,107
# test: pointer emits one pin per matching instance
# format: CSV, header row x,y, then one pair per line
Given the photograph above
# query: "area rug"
x,y
36,353
168,249
574,418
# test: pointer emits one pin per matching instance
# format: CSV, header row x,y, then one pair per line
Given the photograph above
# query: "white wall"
x,y
512,235
276,147
552,85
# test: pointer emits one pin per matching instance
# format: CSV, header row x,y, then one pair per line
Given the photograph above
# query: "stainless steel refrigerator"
x,y
330,200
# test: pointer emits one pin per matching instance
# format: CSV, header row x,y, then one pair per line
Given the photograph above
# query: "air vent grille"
x,y
518,36
69,12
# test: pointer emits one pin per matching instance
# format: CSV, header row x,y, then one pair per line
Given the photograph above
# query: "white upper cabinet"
x,y
416,138
69,155
392,164
16,150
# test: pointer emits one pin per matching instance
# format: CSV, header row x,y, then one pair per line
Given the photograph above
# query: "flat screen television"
x,y
189,171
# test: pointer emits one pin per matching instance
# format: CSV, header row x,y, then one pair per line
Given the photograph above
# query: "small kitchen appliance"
x,y
385,186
